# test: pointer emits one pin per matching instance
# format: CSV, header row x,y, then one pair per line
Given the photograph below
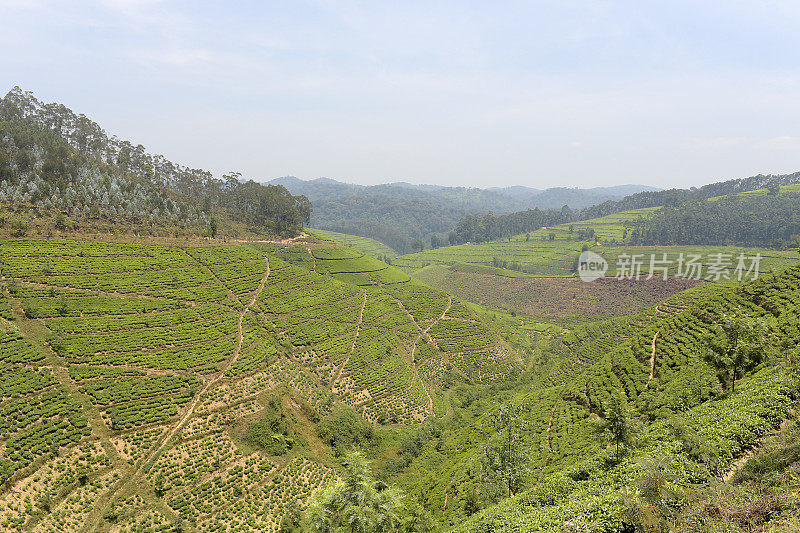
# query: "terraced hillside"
x,y
362,244
560,258
688,420
610,228
352,266
131,373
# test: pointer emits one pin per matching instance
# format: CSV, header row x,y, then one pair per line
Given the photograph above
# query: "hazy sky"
x,y
537,93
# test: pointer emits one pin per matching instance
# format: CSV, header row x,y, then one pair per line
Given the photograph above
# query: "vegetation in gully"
x,y
178,354
208,387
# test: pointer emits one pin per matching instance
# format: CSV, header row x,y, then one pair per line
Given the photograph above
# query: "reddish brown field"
x,y
555,298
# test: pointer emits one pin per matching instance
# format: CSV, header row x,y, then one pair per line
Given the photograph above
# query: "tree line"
x,y
766,220
484,228
52,158
488,227
673,197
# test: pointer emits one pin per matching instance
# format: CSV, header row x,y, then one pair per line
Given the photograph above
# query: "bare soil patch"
x,y
559,298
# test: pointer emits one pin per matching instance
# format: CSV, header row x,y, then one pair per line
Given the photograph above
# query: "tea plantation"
x,y
216,388
134,370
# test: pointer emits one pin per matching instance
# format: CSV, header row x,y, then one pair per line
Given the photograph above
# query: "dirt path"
x,y
422,333
653,358
220,375
352,346
549,438
741,461
313,260
231,294
550,426
37,333
291,240
433,323
134,478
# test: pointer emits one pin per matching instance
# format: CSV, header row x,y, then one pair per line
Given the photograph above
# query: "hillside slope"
x,y
488,227
61,172
133,376
652,363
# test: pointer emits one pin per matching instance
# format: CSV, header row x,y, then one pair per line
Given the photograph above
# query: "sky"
x,y
541,93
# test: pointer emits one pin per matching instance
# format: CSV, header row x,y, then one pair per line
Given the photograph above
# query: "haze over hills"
x,y
158,375
516,196
497,328
574,197
399,213
186,382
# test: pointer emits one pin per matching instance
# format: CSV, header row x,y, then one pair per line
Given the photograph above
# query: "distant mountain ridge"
x,y
487,227
575,198
400,213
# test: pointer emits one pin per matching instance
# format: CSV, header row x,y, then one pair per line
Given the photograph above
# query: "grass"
x,y
560,258
362,244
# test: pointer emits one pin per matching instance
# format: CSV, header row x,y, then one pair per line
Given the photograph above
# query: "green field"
x,y
362,244
611,229
152,352
559,258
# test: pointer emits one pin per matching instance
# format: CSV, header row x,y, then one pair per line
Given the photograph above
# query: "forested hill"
x,y
557,197
677,196
771,219
53,160
395,214
402,215
483,228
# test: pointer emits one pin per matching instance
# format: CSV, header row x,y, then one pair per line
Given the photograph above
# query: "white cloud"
x,y
179,57
784,142
711,143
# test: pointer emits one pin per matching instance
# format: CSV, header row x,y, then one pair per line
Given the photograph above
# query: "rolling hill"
x,y
131,370
397,214
176,354
488,227
61,172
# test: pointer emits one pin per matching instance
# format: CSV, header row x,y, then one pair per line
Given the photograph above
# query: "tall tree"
x,y
505,457
616,425
737,345
359,504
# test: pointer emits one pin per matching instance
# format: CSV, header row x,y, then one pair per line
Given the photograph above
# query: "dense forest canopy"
x,y
677,196
52,158
771,220
403,216
484,228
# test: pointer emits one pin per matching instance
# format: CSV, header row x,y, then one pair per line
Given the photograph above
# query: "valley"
x,y
181,351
